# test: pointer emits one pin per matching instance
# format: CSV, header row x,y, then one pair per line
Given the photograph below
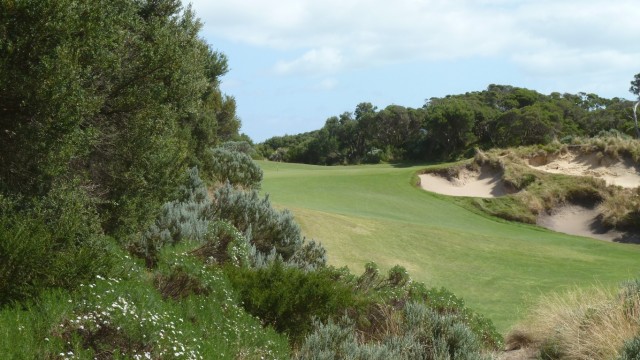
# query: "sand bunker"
x,y
485,183
613,172
581,221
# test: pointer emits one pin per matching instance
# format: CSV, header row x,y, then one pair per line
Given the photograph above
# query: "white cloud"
x,y
327,84
550,37
315,60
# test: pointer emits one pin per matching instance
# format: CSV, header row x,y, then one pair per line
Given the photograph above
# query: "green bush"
x,y
53,242
290,299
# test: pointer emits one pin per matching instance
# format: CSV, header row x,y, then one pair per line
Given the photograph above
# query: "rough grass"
x,y
580,324
184,311
374,213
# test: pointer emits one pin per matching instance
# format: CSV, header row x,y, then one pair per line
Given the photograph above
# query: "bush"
x,y
186,217
54,242
269,228
236,168
631,349
419,333
238,146
290,299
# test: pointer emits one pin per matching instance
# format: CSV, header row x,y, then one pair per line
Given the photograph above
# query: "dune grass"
x,y
375,213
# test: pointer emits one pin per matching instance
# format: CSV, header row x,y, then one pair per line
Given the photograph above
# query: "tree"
x,y
635,89
450,124
122,95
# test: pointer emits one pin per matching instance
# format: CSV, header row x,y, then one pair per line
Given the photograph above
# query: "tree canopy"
x,y
122,95
451,127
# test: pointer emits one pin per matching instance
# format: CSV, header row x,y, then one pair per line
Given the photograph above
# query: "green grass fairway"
x,y
373,213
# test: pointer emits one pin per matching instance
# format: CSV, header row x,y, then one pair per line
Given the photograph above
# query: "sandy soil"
x,y
484,183
622,173
578,220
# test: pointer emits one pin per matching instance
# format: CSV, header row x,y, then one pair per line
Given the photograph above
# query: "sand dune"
x,y
613,172
484,183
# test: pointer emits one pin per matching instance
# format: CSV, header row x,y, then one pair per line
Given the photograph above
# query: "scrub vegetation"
x,y
132,225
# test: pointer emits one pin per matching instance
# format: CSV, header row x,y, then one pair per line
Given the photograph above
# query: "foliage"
x,y
122,94
232,166
268,228
124,316
185,218
451,127
631,349
290,299
53,242
419,333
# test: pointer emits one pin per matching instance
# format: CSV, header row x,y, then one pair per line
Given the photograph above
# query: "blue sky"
x,y
294,63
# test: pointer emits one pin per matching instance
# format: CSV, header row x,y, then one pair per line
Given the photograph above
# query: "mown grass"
x,y
375,213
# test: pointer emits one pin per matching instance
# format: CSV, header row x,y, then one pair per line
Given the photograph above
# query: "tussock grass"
x,y
581,324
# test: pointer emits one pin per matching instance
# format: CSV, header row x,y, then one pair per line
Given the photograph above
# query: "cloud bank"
x,y
543,37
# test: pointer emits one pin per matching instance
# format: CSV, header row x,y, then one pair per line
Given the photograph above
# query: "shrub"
x,y
631,349
290,299
237,168
53,242
338,341
186,217
238,146
419,333
269,228
225,244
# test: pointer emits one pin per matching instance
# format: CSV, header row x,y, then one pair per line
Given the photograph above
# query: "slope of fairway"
x,y
374,213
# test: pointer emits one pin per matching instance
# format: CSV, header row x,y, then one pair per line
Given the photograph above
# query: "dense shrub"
x,y
53,242
417,333
269,228
238,146
334,340
290,299
236,168
185,217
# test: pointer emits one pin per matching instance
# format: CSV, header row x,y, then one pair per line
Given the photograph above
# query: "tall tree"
x,y
119,94
635,89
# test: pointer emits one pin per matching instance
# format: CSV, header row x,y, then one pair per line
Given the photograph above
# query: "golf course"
x,y
378,213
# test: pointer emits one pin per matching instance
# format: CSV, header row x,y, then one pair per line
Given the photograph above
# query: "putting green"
x,y
375,213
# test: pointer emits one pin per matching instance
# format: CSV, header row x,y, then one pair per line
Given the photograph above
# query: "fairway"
x,y
374,213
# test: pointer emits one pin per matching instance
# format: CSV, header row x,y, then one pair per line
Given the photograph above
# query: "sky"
x,y
295,63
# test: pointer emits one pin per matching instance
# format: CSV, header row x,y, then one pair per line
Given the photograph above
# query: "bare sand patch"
x,y
623,173
486,183
581,221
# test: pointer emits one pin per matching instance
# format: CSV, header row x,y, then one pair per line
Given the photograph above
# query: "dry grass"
x,y
581,324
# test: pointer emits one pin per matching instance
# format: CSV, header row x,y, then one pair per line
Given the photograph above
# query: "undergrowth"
x,y
583,324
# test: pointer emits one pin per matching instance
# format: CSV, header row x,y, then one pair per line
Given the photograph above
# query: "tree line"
x,y
451,127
